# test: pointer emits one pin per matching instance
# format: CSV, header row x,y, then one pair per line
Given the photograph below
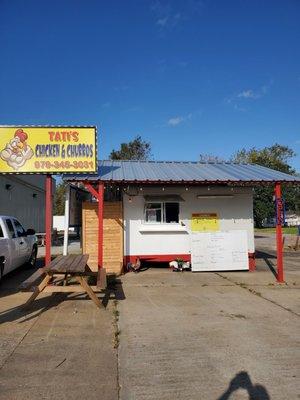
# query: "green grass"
x,y
287,229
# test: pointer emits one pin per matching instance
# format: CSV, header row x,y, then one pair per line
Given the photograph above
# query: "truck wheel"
x,y
32,260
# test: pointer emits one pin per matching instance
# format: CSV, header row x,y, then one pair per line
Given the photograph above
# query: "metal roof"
x,y
181,172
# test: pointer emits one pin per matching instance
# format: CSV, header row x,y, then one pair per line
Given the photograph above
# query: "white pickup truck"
x,y
17,246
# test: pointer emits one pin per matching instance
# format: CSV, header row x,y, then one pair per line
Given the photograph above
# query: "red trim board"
x,y
171,257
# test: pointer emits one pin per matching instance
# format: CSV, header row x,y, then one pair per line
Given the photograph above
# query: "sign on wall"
x,y
205,222
219,251
54,150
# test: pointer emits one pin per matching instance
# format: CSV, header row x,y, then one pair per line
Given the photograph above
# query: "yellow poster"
x,y
205,222
54,150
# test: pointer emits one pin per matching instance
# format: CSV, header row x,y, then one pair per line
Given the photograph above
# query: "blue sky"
x,y
190,76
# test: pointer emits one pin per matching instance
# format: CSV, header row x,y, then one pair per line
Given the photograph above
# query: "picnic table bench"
x,y
57,275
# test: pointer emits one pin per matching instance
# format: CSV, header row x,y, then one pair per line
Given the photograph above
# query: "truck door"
x,y
24,245
13,244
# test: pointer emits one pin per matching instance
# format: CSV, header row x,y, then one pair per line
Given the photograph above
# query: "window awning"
x,y
172,198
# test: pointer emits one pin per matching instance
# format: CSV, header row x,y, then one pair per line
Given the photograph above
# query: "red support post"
x,y
48,218
279,243
100,224
90,188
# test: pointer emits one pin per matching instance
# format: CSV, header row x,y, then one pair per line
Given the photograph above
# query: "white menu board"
x,y
219,251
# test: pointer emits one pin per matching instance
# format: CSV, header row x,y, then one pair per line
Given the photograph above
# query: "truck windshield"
x,y
1,232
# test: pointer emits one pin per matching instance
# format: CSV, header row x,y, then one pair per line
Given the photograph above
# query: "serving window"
x,y
161,212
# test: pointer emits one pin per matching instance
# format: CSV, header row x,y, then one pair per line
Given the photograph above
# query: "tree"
x,y
59,199
137,149
209,158
276,157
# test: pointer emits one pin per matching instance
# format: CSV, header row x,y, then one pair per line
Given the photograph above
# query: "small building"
x,y
23,196
292,219
152,209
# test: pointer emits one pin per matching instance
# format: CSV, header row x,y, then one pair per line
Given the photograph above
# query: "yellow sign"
x,y
53,150
205,222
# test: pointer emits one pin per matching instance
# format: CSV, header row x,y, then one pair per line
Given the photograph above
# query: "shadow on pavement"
x,y
11,282
53,300
266,257
113,291
242,381
37,308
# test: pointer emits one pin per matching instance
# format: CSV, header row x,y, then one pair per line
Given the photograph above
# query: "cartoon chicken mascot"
x,y
17,151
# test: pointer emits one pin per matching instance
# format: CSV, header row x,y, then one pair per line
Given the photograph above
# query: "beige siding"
x,y
113,235
25,200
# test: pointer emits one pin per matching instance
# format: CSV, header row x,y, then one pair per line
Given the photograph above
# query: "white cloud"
x,y
247,95
254,95
168,14
166,17
174,121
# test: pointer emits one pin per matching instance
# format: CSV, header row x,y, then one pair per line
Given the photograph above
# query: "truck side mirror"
x,y
30,232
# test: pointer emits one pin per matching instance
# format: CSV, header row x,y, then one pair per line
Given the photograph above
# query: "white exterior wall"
x,y
142,238
19,201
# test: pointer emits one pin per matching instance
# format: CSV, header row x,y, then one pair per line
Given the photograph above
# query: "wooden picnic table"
x,y
56,276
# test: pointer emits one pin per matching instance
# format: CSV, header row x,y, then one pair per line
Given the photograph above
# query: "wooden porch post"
x,y
100,224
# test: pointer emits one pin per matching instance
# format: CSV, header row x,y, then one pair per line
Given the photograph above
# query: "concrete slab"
x,y
159,277
205,341
73,248
283,296
62,348
182,335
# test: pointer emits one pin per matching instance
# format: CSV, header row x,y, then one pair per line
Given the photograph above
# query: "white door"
x,y
13,244
24,243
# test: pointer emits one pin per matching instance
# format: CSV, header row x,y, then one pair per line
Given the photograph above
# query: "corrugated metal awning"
x,y
157,172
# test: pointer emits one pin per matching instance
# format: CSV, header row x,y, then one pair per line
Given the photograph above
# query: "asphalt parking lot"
x,y
162,335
